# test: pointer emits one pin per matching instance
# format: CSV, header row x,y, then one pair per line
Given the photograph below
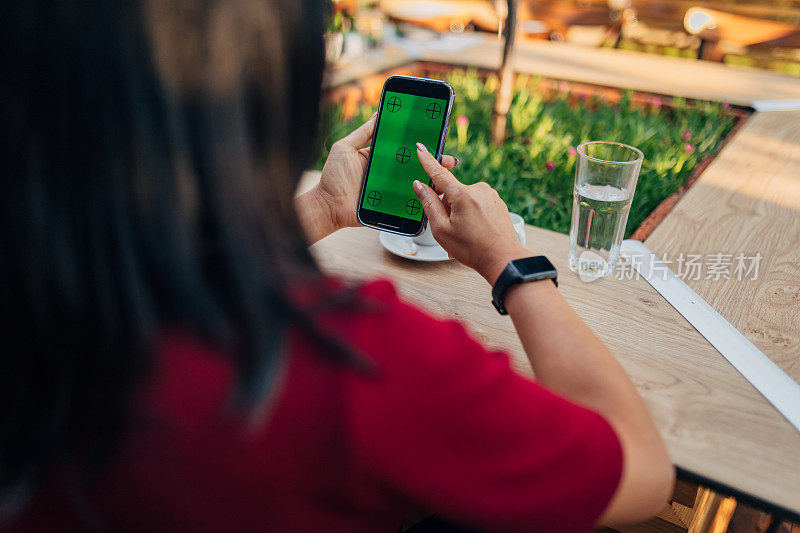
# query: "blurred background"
x,y
748,33
666,76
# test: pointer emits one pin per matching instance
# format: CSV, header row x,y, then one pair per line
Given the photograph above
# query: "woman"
x,y
174,358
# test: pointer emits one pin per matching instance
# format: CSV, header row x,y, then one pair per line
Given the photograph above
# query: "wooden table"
x,y
440,14
632,70
599,66
715,424
748,200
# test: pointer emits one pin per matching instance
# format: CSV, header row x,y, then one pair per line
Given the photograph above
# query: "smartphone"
x,y
411,110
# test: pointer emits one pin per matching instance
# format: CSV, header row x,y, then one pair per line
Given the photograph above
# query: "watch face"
x,y
533,265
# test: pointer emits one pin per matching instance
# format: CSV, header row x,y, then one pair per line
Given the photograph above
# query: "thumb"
x,y
432,205
360,137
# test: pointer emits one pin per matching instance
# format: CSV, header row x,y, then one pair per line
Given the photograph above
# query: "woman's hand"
x,y
332,203
471,222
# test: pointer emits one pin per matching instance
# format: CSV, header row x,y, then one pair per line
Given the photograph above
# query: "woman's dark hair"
x,y
151,154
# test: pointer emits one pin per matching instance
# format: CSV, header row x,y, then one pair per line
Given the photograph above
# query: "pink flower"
x,y
687,135
726,106
563,87
462,121
656,101
550,166
572,151
581,95
688,148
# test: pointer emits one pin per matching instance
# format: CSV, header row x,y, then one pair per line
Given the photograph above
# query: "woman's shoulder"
x,y
408,344
391,323
380,288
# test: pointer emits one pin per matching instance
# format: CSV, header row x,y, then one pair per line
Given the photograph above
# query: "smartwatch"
x,y
521,271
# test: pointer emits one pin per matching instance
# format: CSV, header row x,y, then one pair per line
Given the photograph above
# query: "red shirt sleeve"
x,y
452,428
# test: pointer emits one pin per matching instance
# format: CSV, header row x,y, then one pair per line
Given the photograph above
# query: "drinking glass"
x,y
605,180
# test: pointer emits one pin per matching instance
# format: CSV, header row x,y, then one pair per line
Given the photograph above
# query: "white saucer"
x,y
406,247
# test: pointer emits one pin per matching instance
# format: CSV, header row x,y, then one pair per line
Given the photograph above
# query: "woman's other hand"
x,y
332,203
471,222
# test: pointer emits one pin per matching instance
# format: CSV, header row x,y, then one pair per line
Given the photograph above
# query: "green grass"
x,y
534,169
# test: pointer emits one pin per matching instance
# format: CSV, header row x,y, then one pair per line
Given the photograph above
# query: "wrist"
x,y
315,214
526,271
539,287
329,220
498,261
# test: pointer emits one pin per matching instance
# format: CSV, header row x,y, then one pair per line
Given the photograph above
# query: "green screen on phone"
x,y
405,120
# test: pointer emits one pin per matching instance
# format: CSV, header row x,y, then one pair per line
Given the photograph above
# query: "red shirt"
x,y
442,425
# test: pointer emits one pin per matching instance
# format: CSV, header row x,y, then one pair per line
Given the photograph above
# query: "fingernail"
x,y
417,186
421,147
457,160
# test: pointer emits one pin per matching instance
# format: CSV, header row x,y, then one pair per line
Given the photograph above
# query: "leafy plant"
x,y
335,21
534,169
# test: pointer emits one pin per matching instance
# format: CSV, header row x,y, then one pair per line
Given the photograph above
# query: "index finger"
x,y
360,138
442,179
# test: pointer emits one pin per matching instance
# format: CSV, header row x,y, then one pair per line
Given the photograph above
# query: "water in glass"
x,y
599,217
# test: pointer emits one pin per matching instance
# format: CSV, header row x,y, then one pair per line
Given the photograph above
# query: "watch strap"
x,y
512,275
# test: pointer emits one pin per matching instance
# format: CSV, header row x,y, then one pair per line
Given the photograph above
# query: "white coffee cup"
x,y
426,237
